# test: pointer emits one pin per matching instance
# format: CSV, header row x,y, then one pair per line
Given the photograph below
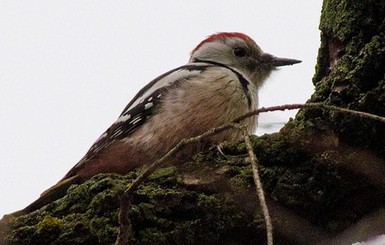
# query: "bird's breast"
x,y
202,103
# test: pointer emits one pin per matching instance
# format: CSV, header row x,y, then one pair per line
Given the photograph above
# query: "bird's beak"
x,y
276,61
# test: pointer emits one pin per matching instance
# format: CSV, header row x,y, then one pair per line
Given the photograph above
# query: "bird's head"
x,y
239,51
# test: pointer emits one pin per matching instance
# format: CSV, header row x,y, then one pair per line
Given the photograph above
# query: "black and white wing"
x,y
143,106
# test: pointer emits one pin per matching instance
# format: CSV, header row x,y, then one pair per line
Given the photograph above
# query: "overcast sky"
x,y
68,68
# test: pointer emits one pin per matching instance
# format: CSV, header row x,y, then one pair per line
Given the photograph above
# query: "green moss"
x,y
166,210
151,236
350,71
321,68
309,167
49,221
164,175
93,218
343,19
242,180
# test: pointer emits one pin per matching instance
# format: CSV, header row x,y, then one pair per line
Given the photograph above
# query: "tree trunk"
x,y
323,173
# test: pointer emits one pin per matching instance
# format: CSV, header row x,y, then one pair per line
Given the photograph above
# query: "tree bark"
x,y
322,173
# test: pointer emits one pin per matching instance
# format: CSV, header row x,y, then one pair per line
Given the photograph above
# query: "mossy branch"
x,y
124,221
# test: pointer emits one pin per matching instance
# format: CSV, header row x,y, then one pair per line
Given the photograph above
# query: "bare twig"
x,y
259,188
150,169
125,229
125,224
123,216
311,106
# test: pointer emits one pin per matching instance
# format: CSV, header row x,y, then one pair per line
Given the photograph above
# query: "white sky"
x,y
68,68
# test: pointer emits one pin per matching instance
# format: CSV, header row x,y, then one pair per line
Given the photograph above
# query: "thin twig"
x,y
310,106
125,226
259,188
151,168
125,230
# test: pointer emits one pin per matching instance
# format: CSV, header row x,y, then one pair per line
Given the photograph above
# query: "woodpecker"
x,y
218,84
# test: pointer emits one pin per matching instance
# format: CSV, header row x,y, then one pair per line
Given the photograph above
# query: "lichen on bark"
x,y
322,173
169,208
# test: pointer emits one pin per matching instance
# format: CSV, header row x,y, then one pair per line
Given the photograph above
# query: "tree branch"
x,y
124,221
259,188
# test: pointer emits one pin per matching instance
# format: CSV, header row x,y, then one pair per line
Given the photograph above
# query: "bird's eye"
x,y
240,52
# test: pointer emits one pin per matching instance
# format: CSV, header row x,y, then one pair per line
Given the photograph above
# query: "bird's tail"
x,y
55,192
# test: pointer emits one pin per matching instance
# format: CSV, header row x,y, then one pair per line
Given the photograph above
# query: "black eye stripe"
x,y
240,52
